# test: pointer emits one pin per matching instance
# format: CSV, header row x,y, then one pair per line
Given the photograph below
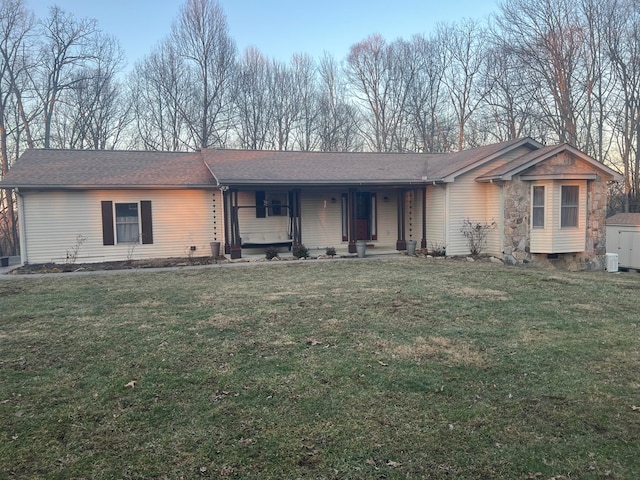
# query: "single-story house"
x,y
544,202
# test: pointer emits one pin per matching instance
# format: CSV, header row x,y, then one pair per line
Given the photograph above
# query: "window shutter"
x,y
107,223
261,211
147,224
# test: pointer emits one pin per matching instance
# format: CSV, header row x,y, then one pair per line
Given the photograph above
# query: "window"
x,y
127,223
132,222
569,206
278,205
271,204
537,209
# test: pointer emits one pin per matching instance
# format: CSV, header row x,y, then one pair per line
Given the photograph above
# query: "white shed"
x,y
623,238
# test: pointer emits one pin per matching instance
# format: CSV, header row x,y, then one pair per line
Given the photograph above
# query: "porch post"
x,y
401,244
351,209
227,219
296,214
236,249
423,243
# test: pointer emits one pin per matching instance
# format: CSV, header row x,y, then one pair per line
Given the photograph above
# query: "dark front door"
x,y
363,216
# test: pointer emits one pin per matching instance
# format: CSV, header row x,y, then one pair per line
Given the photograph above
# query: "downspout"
x,y
21,228
423,243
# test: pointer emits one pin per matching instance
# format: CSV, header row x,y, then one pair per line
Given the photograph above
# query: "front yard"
x,y
390,368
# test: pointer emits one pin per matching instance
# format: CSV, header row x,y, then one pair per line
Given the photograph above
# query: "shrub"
x,y
300,251
476,235
438,250
330,252
271,253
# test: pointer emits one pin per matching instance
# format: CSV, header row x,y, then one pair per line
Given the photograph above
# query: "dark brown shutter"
x,y
107,223
261,211
147,225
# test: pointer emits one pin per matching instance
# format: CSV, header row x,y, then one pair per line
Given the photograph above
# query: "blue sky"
x,y
278,28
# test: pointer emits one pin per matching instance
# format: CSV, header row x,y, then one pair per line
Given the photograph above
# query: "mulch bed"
x,y
120,265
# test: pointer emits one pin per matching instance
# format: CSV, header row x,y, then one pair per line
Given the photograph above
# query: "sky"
x,y
278,28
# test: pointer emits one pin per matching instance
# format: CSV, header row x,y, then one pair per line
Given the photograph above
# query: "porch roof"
x,y
259,167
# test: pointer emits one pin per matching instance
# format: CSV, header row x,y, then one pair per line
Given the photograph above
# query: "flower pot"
x,y
361,248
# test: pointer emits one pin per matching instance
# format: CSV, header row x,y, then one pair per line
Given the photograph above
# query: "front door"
x,y
364,207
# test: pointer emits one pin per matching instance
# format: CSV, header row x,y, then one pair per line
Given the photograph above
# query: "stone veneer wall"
x,y
517,205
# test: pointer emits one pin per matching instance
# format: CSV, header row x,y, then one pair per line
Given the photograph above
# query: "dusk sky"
x,y
278,28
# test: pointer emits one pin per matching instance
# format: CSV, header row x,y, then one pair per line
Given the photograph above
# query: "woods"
x,y
555,70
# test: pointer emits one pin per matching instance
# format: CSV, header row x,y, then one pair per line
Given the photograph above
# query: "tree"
x,y
380,83
466,54
548,41
66,50
16,26
202,40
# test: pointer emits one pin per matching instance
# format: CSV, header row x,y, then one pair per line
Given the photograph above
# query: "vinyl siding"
x,y
479,202
53,221
321,219
572,239
553,238
436,200
542,237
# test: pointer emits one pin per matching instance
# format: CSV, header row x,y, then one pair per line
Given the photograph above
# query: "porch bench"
x,y
270,239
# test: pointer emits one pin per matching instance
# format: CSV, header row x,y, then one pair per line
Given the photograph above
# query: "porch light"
x,y
385,199
334,200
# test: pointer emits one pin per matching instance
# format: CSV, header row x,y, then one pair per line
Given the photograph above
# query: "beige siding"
x,y
567,240
53,220
247,216
553,238
436,201
479,202
387,218
542,237
321,219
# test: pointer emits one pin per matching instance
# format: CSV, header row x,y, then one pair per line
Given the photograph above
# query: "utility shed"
x,y
623,238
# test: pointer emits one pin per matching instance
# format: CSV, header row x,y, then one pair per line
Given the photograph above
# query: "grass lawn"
x,y
398,368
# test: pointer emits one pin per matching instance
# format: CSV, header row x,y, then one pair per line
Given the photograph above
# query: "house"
x,y
547,203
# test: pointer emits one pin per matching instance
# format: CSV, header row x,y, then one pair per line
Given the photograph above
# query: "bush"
x,y
271,253
438,250
300,251
476,235
330,252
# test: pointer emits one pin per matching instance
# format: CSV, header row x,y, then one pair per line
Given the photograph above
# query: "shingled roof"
x,y
217,167
247,167
45,168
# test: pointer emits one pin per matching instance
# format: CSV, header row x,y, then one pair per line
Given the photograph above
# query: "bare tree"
x,y
16,25
623,45
465,47
380,82
253,109
160,96
337,128
66,50
548,40
202,39
426,107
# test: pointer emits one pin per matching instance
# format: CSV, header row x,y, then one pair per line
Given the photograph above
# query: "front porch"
x,y
386,217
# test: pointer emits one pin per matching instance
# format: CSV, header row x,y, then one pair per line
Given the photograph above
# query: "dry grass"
x,y
403,368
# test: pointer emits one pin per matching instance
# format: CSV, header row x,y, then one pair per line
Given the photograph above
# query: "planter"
x,y
215,249
411,248
4,261
361,248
